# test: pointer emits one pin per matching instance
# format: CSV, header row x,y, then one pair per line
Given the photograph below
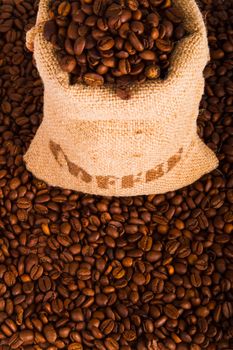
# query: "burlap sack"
x,y
94,142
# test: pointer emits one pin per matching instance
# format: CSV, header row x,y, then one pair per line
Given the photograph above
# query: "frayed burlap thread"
x,y
94,142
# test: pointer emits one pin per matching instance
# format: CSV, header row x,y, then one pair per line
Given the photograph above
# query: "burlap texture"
x,y
94,142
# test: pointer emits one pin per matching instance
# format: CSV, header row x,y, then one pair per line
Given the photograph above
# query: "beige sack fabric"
x,y
94,142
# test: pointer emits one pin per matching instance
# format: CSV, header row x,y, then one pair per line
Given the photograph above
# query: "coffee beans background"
x,y
81,272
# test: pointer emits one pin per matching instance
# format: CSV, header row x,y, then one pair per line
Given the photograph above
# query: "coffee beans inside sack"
x,y
122,85
120,42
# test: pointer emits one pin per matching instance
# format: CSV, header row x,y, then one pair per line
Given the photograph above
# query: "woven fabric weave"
x,y
94,142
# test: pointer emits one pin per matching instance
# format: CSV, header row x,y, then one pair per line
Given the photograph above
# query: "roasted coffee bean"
x,y
124,66
130,33
44,284
93,79
173,14
72,31
9,278
68,64
50,333
171,311
163,45
148,55
50,29
118,272
132,5
78,16
79,45
124,31
111,344
107,326
64,8
113,10
152,72
27,336
139,279
106,43
129,335
75,346
145,243
137,27
135,42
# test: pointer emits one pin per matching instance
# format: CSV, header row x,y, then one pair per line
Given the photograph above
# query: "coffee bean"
x,y
27,336
217,54
227,309
44,284
111,344
171,311
124,66
157,285
36,272
152,72
173,14
153,256
196,279
79,45
137,27
75,346
202,311
107,326
64,8
99,7
180,268
9,278
129,335
114,10
78,16
149,326
101,299
160,321
50,28
118,272
148,55
163,45
68,64
77,315
50,333
132,5
139,278
106,43
93,79
145,243
136,43
24,203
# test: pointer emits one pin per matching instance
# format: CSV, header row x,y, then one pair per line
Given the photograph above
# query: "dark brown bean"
x,y
136,43
93,79
50,333
79,45
68,64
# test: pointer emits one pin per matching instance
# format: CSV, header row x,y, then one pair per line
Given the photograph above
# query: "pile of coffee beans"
x,y
81,272
120,42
